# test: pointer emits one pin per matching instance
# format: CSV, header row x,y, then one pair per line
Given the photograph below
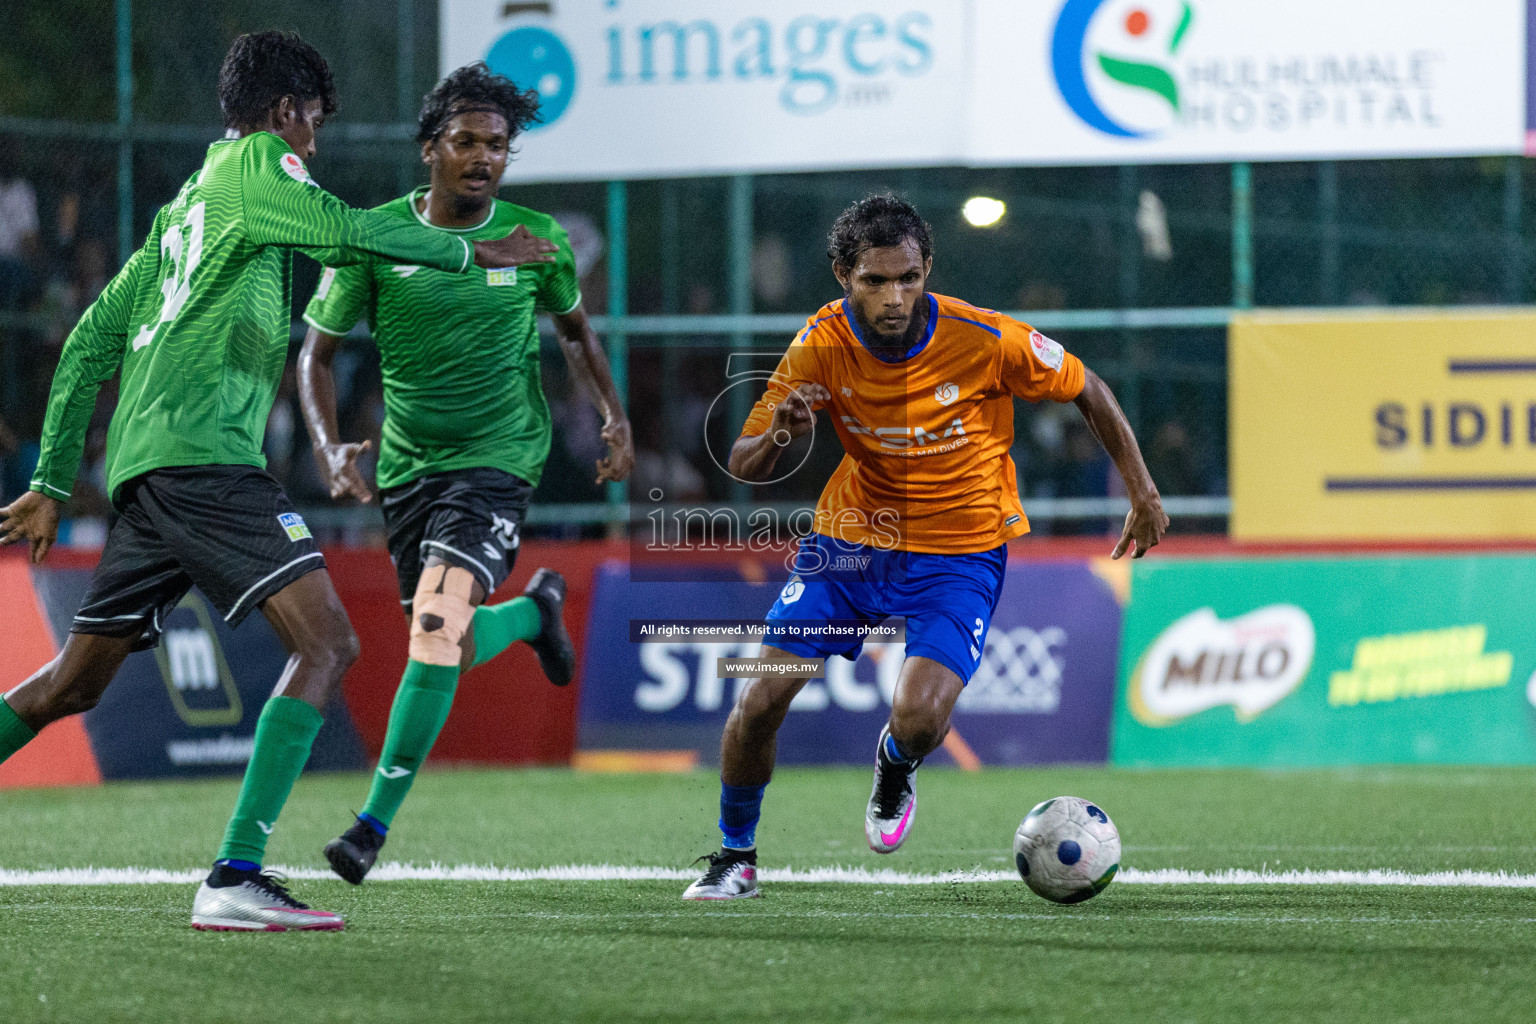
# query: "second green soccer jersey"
x,y
459,352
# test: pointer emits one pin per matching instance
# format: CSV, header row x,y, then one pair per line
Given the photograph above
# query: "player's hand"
x,y
621,452
1145,525
33,517
338,468
518,248
793,417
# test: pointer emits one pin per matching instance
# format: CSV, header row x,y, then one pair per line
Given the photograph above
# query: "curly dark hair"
x,y
878,221
263,67
476,87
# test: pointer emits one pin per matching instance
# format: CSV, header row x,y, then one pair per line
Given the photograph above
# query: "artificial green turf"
x,y
965,951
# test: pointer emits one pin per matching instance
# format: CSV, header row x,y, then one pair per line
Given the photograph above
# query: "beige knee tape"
x,y
440,614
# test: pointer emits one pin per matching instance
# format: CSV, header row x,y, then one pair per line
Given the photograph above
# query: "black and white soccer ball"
x,y
1067,849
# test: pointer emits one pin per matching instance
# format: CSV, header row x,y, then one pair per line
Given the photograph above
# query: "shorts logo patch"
x,y
501,276
1010,520
1046,350
293,524
505,530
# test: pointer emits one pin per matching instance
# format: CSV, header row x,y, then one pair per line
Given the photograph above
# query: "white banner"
x,y
1141,81
654,88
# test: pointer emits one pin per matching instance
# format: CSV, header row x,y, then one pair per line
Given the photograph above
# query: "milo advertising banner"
x,y
1328,662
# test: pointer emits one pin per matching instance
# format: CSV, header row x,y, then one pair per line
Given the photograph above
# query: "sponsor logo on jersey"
x,y
792,592
501,276
1046,350
405,270
490,552
903,437
294,168
1011,520
293,524
945,394
1251,662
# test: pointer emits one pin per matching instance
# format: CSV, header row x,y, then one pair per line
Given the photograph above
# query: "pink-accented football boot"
x,y
892,802
732,875
255,901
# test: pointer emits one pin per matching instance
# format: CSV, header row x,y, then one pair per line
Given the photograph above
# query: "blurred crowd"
x,y
52,267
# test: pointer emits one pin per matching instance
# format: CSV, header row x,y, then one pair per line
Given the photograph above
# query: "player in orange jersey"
x,y
916,519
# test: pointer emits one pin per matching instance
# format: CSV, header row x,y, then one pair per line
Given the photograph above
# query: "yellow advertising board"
x,y
1383,425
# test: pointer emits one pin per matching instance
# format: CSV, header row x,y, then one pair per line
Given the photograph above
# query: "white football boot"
x,y
256,902
732,875
892,802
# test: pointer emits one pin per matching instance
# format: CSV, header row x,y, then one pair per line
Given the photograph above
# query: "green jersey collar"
x,y
421,190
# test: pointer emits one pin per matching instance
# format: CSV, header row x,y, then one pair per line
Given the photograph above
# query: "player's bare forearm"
x,y
1147,521
753,458
336,461
1098,406
317,386
588,363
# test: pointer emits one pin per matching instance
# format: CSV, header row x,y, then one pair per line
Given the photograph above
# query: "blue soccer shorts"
x,y
947,601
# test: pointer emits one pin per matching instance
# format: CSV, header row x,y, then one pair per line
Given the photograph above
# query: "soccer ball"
x,y
1067,849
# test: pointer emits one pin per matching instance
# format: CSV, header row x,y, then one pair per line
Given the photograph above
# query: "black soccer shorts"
x,y
228,529
471,518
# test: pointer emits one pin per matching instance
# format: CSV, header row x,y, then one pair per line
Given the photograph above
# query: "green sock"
x,y
284,734
14,733
499,626
420,709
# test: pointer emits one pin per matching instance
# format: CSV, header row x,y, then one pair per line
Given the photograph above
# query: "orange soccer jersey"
x,y
926,465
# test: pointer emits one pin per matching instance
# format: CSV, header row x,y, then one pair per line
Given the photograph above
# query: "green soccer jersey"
x,y
459,352
198,318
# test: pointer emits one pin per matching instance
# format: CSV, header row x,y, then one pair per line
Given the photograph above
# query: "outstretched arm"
x,y
1146,523
317,396
588,364
753,457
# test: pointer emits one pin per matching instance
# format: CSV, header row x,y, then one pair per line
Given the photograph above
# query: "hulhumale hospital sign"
x,y
650,88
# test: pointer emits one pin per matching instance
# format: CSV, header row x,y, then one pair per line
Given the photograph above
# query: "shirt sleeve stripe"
x,y
45,485
568,312
317,325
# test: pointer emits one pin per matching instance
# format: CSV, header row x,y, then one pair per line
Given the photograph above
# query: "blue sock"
x,y
894,754
740,807
241,865
373,823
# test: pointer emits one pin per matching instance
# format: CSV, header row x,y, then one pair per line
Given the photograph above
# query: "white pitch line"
x,y
397,872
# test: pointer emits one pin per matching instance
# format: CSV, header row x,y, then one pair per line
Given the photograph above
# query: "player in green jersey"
x,y
197,325
466,429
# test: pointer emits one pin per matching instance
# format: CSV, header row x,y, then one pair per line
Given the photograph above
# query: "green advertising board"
x,y
1328,661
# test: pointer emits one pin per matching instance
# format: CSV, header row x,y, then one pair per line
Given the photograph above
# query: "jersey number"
x,y
183,252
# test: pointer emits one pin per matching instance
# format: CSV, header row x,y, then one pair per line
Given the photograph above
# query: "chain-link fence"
x,y
1135,268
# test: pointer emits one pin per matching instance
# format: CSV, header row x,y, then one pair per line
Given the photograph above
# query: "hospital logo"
x,y
1111,60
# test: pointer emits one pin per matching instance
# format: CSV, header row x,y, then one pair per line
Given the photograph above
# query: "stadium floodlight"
x,y
983,211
